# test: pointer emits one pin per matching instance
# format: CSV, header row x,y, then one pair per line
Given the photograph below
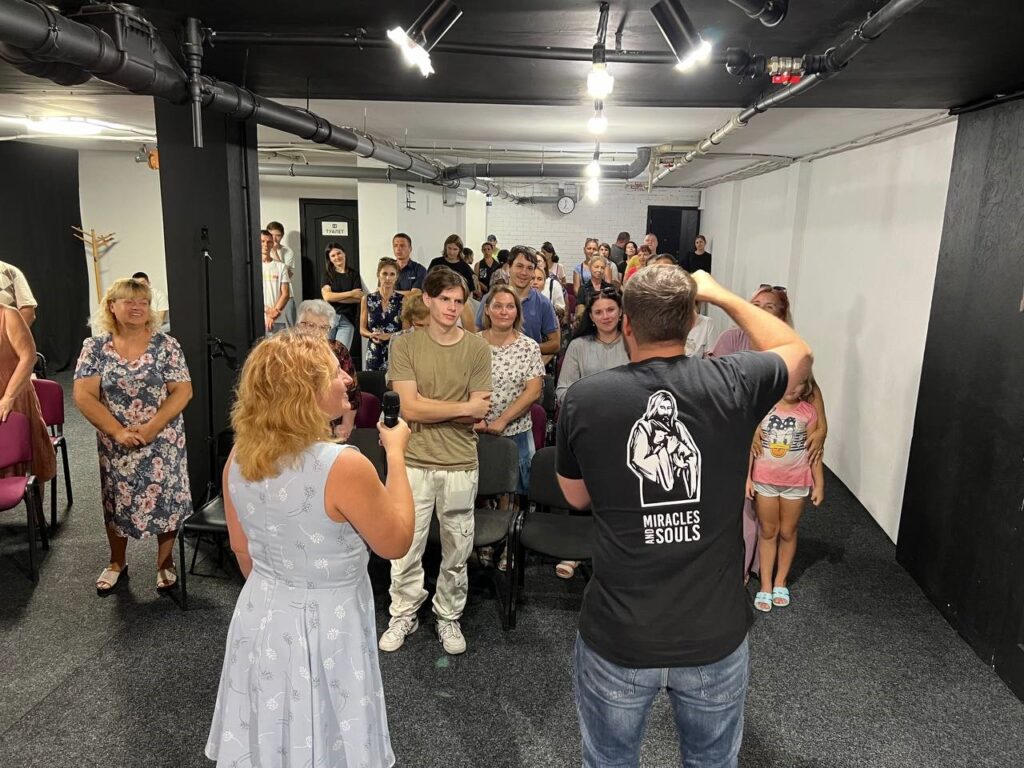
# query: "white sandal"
x,y
108,579
166,578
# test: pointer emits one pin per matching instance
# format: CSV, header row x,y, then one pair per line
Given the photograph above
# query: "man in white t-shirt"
x,y
15,292
286,256
276,286
158,300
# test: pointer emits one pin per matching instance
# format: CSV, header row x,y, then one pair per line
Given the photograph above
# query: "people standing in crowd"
x,y
493,240
775,301
344,290
781,478
547,251
517,376
300,674
501,275
159,301
276,286
15,292
415,315
551,289
451,257
698,258
132,384
484,269
443,376
17,395
380,315
316,317
467,256
598,344
605,251
637,261
651,241
701,337
618,253
671,513
540,322
411,274
286,256
594,284
581,272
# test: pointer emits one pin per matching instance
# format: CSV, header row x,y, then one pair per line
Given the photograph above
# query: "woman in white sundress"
x,y
301,684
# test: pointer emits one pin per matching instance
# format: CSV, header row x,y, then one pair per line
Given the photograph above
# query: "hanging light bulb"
x,y
598,124
593,190
600,82
593,169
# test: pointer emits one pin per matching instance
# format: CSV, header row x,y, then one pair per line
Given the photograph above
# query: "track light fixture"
x,y
598,124
428,29
681,34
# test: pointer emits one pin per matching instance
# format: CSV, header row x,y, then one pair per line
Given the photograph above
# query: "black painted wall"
x,y
210,200
39,200
961,534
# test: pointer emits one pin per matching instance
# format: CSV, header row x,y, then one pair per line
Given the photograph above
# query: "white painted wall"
x,y
855,238
620,208
121,196
476,222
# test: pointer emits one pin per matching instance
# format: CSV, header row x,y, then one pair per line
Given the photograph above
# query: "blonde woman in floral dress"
x,y
132,384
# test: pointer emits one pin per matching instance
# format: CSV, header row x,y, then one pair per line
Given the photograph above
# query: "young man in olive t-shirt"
x,y
443,376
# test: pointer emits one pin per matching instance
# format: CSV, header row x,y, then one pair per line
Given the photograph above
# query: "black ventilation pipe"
x,y
768,12
125,50
835,60
553,170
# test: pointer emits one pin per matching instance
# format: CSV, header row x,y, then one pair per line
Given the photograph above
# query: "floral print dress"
x,y
383,318
301,683
145,490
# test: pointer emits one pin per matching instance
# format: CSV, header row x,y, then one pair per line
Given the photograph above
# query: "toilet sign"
x,y
334,228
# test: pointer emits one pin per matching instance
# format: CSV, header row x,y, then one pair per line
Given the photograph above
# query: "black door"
x,y
323,222
676,227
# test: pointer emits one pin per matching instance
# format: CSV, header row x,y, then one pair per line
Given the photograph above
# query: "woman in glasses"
x,y
594,284
773,299
316,318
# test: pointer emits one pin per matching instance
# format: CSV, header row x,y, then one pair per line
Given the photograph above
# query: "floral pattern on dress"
x,y
382,318
145,490
300,684
511,367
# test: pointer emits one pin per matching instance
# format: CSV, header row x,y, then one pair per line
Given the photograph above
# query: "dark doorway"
x,y
676,227
323,222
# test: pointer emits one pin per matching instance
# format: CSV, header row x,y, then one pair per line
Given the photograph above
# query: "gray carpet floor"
x,y
860,671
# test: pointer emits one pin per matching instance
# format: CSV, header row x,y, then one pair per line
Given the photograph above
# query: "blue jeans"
x,y
342,331
612,703
524,442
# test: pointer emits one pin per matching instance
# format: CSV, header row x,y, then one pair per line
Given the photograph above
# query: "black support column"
x,y
210,200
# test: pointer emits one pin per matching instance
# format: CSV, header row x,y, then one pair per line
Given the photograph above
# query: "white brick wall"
x,y
620,208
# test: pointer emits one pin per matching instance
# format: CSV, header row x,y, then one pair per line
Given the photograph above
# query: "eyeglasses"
x,y
779,288
313,326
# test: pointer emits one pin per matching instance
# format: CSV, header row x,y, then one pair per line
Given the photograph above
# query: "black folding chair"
x,y
550,404
40,367
559,536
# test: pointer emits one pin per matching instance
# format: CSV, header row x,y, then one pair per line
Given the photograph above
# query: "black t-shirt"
x,y
485,272
340,282
458,266
662,446
693,262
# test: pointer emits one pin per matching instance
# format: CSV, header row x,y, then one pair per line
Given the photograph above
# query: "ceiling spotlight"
x,y
681,34
599,81
598,124
428,29
593,169
593,190
65,126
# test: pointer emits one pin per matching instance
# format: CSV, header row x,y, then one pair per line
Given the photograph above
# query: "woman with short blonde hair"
x,y
132,384
300,511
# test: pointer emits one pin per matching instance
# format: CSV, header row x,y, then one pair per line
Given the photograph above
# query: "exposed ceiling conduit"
x,y
40,35
768,12
836,59
378,174
550,170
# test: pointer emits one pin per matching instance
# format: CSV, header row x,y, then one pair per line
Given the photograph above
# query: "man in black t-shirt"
x,y
663,469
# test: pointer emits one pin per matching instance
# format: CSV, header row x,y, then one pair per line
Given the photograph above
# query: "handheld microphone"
x,y
391,406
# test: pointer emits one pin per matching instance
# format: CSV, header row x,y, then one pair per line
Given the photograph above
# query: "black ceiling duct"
x,y
768,12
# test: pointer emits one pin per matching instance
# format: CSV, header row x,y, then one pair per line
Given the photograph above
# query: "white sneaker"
x,y
398,629
451,637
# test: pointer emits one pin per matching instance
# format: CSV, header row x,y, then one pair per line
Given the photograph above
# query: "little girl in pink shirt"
x,y
781,479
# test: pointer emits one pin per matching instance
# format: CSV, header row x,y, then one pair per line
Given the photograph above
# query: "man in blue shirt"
x,y
411,274
539,320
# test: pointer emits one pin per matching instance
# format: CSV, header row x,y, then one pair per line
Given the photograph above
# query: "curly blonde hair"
x,y
276,415
103,320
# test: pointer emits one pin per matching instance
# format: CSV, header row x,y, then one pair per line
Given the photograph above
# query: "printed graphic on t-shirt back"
x,y
663,455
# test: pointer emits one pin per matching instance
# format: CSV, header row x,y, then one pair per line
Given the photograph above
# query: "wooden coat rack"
x,y
98,244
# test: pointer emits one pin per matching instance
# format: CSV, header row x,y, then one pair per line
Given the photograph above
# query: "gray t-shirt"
x,y
587,356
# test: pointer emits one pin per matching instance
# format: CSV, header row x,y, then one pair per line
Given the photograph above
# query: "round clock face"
x,y
566,204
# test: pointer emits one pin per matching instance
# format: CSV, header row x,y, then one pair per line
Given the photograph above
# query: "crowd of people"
x,y
722,437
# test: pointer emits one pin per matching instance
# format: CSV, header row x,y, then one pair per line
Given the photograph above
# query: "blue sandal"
x,y
763,601
780,597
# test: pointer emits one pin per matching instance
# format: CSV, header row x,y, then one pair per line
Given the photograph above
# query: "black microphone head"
x,y
391,408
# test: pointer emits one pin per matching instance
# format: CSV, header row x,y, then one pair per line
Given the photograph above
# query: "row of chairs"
x,y
16,448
